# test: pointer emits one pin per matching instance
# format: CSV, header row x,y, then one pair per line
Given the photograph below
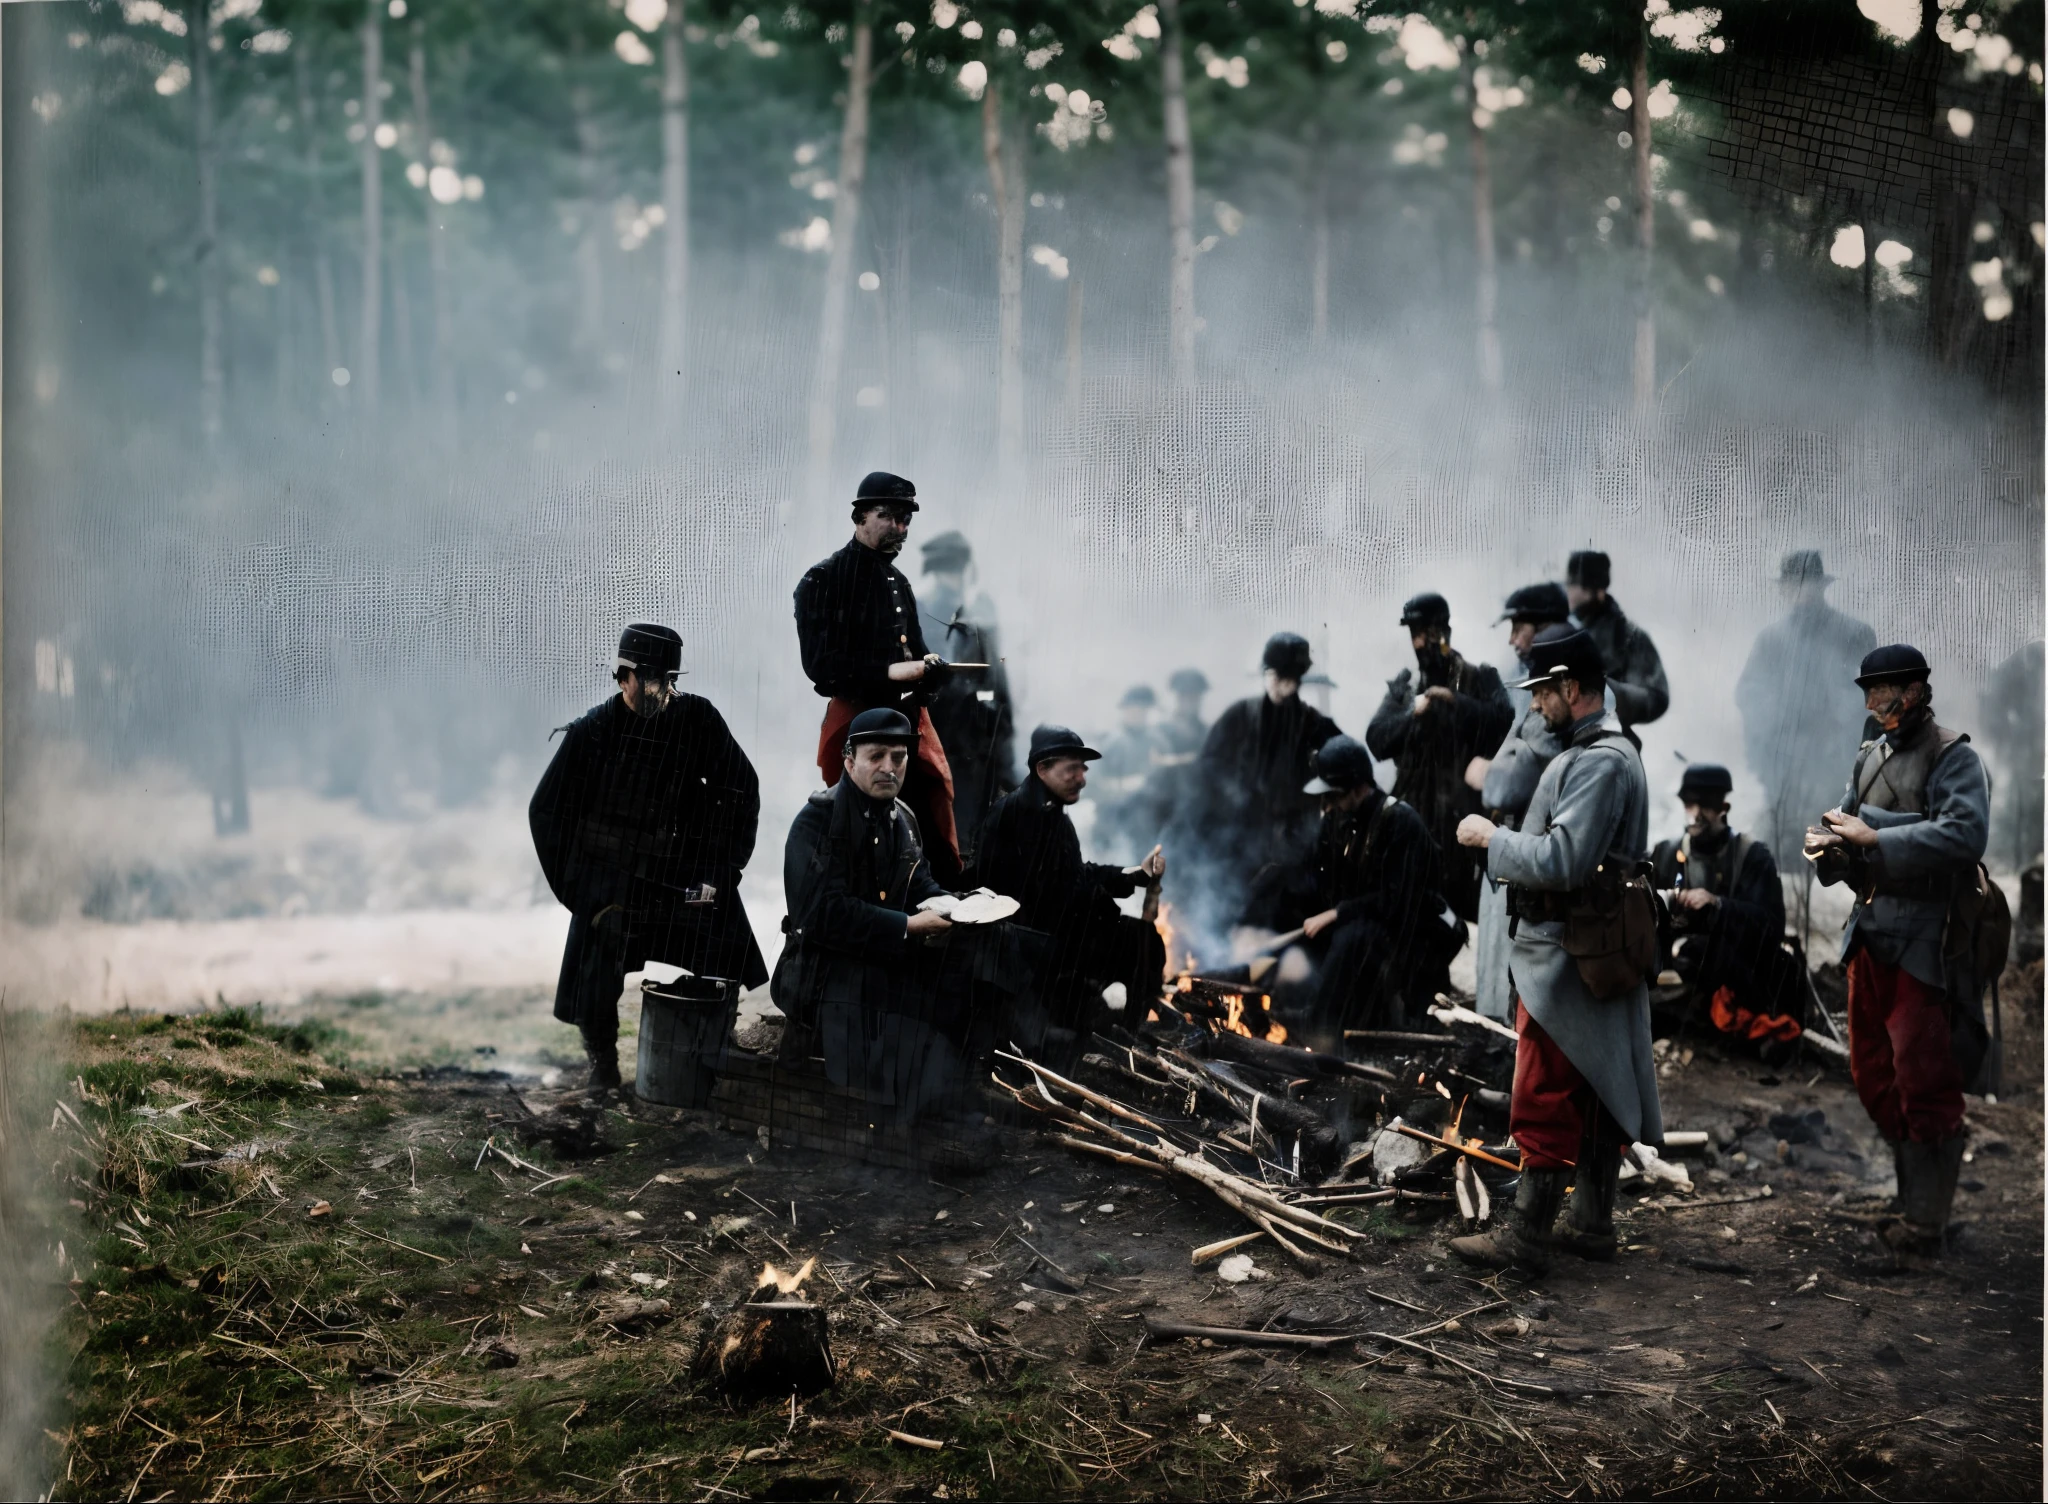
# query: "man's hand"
x,y
1849,828
1476,831
1154,866
1315,924
1696,899
922,924
1476,771
907,672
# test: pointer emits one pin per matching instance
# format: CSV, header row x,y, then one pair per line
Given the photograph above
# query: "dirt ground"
x,y
473,1314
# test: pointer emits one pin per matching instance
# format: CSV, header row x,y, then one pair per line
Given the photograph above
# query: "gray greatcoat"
x,y
1591,806
1510,784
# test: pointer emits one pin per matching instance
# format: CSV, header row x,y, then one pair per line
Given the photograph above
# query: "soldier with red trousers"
x,y
1908,838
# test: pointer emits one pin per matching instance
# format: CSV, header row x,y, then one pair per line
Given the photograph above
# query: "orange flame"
x,y
1234,1015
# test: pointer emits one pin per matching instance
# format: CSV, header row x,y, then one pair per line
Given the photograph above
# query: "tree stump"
x,y
767,1349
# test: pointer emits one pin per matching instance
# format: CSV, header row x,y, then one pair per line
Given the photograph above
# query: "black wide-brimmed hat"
x,y
879,486
881,725
1561,653
1287,655
1801,565
647,648
1059,741
1898,662
1426,610
1588,569
1705,783
1340,765
1544,603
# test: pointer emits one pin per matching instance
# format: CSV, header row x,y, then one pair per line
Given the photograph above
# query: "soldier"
x,y
1634,671
1728,914
1433,731
1800,718
2011,710
863,649
1908,838
970,707
1184,730
1584,1085
1029,851
1374,924
855,980
643,822
1124,818
1247,811
1507,781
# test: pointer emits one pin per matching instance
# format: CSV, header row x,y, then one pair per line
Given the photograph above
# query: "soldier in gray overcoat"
x,y
1584,1086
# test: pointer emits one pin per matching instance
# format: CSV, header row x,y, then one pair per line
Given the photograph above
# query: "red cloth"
x,y
1547,1111
927,787
1899,1053
1730,1017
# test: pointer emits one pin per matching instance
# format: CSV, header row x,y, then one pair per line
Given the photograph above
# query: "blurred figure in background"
x,y
643,822
1432,730
1507,781
1125,823
1728,918
1183,731
2012,726
971,707
1801,716
1635,672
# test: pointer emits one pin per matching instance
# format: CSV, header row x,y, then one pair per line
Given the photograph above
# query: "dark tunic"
x,y
1246,810
630,814
1634,670
1738,943
856,615
971,709
1802,716
1029,851
1430,753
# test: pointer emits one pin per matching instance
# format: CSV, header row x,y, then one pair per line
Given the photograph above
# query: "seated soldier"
x,y
1728,918
865,979
1028,850
1377,930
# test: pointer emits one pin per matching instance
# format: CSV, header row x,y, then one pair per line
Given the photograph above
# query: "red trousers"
x,y
1899,1053
927,789
1548,1109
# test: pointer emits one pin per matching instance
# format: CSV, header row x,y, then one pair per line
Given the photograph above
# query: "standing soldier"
x,y
1124,822
1800,718
1634,671
971,707
1507,781
1184,730
1584,1084
642,822
1248,811
2011,711
1433,731
1908,839
863,649
1728,912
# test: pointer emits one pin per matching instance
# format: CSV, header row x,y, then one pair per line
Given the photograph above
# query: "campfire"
x,y
774,1284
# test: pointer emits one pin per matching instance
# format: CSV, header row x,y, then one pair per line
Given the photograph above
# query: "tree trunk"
x,y
1486,290
1074,348
675,194
590,334
853,170
367,353
1006,178
1644,373
1180,195
316,231
212,383
437,243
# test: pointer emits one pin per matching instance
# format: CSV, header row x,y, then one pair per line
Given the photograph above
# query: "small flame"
x,y
774,1279
1234,1019
1164,924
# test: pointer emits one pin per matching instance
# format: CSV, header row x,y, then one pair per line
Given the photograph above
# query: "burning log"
x,y
1288,1059
769,1348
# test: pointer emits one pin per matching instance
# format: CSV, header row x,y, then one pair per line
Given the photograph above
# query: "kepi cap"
x,y
648,648
1892,663
1188,681
1287,655
1426,610
1139,694
1589,569
881,486
1341,764
1705,782
949,550
881,725
1059,741
1543,603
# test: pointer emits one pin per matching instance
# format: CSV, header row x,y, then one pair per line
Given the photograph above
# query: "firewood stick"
x,y
1156,1327
1210,1250
1431,1138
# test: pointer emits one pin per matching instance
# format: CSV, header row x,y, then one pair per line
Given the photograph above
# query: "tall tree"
x,y
367,351
1486,289
212,379
1180,193
1643,365
675,192
1003,148
853,172
437,238
316,212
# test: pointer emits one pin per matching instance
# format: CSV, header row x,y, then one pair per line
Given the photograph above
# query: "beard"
x,y
654,699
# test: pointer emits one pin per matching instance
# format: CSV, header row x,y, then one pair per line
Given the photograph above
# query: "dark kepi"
x,y
1543,603
1895,663
1340,765
1287,654
647,648
949,550
1139,694
881,725
1426,610
1589,569
1705,783
1059,741
879,486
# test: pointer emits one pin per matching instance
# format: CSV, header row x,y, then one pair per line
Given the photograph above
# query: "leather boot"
x,y
1524,1244
1927,1190
1589,1231
603,1052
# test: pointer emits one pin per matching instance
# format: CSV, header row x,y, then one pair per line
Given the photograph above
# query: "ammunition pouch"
x,y
1610,926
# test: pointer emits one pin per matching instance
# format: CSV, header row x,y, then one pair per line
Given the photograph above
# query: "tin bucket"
x,y
684,1026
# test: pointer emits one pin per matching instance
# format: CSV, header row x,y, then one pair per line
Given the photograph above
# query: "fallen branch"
x,y
1210,1250
1443,1143
1240,1337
